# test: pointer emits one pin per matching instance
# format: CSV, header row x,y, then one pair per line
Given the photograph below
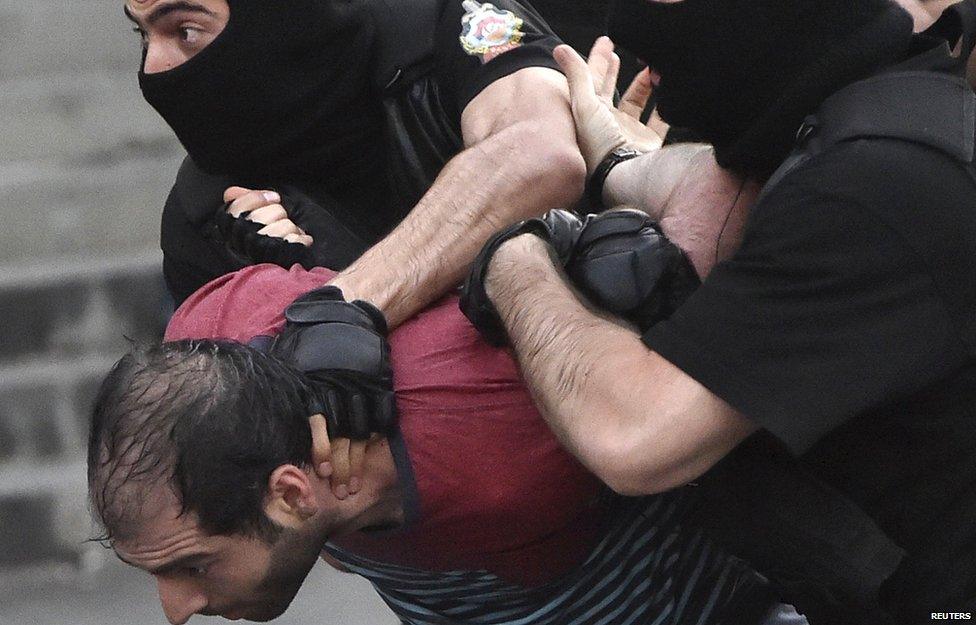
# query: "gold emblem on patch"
x,y
487,31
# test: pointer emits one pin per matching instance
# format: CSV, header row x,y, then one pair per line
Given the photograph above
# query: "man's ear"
x,y
290,500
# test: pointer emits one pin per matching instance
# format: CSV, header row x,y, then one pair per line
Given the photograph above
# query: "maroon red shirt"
x,y
493,488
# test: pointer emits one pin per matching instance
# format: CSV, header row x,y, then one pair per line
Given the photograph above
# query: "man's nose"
x,y
160,57
180,600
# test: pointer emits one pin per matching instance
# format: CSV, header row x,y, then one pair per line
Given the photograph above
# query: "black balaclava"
x,y
725,63
283,89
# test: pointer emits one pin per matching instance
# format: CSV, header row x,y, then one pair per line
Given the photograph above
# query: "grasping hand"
x,y
342,460
600,126
264,207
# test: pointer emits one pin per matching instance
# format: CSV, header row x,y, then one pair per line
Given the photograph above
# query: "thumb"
x,y
577,74
232,193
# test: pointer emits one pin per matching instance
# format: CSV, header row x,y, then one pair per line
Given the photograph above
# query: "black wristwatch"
x,y
594,187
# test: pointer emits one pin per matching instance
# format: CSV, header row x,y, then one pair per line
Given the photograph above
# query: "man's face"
x,y
173,31
230,576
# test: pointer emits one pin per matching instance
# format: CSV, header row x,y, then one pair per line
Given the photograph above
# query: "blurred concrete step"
x,y
74,308
44,410
83,115
50,209
68,35
66,322
27,532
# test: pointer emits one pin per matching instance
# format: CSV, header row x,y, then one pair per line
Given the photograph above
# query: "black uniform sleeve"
x,y
828,309
479,43
192,253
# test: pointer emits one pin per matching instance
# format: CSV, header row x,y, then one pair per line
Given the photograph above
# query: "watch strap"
x,y
594,187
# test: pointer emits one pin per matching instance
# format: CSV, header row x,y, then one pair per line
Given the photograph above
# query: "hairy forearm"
x,y
552,333
614,404
701,207
646,182
510,176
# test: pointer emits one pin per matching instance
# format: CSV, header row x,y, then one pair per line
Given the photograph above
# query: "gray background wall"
x,y
85,166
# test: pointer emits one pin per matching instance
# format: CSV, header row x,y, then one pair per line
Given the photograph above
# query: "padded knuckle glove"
x,y
241,237
341,346
559,228
625,265
334,244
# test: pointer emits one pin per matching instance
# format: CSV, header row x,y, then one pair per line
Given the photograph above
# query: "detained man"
x,y
201,469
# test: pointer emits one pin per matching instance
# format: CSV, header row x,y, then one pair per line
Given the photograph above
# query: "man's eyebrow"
x,y
180,562
163,10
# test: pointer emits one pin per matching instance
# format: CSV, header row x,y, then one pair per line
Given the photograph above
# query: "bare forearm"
x,y
552,332
646,182
618,407
483,189
701,207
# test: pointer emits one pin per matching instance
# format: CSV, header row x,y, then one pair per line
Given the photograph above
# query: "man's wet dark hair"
x,y
209,419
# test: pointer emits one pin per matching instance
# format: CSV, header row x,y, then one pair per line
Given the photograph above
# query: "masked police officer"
x,y
419,125
843,327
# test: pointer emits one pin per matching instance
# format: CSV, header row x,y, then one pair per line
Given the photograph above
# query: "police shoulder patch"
x,y
487,31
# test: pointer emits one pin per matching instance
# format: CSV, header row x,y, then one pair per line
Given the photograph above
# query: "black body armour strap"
x,y
934,110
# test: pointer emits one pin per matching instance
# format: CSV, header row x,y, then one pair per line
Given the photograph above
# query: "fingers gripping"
x,y
255,226
249,201
604,66
581,88
232,193
268,214
626,266
610,82
357,461
321,446
635,99
340,467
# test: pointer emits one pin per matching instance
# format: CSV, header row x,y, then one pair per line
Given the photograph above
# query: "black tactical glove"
x,y
333,244
559,228
618,259
241,237
626,266
341,346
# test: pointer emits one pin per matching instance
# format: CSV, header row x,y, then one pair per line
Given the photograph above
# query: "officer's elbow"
x,y
555,164
632,465
569,168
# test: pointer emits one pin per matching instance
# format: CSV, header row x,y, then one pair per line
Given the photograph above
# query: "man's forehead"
x,y
153,539
141,8
147,510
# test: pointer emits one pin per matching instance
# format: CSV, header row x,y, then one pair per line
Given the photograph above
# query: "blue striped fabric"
x,y
646,569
